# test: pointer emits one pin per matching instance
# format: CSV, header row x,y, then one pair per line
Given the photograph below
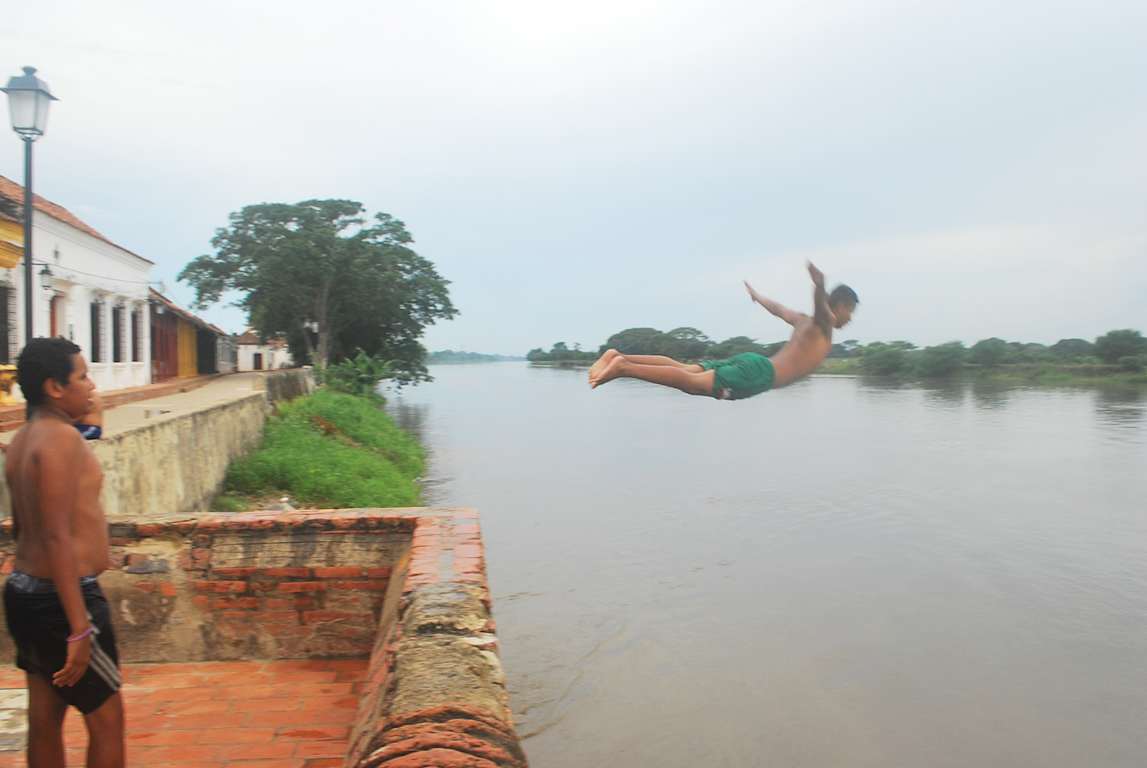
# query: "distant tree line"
x,y
561,353
680,343
458,356
1125,349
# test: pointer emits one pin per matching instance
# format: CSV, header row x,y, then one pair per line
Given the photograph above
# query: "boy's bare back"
x,y
806,349
811,340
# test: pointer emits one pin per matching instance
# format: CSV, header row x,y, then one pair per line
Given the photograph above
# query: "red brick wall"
x,y
435,691
251,586
321,611
409,584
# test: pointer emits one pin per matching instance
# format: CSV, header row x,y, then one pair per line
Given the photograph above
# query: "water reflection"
x,y
410,417
943,393
1125,406
946,394
882,384
1122,408
991,395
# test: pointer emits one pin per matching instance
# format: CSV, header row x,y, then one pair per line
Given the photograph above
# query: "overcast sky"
x,y
970,168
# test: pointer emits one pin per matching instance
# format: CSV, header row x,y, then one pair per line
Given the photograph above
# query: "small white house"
x,y
86,288
258,355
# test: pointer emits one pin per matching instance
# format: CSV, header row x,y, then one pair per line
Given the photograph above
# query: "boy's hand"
x,y
816,275
79,654
752,293
95,415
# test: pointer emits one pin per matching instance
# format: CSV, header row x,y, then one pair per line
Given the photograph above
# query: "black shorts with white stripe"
x,y
40,629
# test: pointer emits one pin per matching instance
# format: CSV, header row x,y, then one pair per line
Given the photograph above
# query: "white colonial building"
x,y
86,288
258,355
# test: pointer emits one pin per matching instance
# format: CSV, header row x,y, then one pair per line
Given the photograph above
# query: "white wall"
x,y
226,354
86,269
272,358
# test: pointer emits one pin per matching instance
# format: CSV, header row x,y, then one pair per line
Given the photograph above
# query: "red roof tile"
x,y
251,337
15,193
158,297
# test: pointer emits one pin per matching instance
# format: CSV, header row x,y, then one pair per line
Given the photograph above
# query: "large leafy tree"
x,y
990,352
328,278
1072,349
941,360
688,343
738,344
1114,345
885,361
638,341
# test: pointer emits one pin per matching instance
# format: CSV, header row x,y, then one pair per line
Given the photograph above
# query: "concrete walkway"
x,y
140,412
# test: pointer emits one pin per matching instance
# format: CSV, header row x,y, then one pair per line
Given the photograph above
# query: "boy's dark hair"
x,y
842,294
41,360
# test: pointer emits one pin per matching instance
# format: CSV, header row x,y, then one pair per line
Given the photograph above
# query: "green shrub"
x,y
943,360
362,421
1072,349
226,502
990,352
358,375
889,361
1133,363
1113,346
331,450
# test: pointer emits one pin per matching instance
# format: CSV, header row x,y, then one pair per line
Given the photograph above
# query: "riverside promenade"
x,y
361,638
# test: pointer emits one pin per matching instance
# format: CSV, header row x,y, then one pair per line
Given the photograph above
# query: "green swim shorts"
x,y
740,376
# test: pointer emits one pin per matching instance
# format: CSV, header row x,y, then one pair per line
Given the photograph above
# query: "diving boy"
x,y
748,373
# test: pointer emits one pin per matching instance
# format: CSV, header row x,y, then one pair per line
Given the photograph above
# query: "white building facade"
x,y
256,355
86,289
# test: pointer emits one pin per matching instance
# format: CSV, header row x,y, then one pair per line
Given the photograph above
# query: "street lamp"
x,y
28,100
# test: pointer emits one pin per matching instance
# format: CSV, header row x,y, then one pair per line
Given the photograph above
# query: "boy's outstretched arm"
x,y
822,313
790,316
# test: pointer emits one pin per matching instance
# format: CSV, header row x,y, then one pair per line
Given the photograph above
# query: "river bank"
x,y
328,450
1018,374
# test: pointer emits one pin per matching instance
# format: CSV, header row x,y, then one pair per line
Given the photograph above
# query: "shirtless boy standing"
x,y
749,373
56,612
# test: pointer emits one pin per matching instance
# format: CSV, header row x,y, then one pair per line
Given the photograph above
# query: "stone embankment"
x,y
398,597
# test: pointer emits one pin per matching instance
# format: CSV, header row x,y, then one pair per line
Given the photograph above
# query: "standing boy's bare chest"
x,y
90,478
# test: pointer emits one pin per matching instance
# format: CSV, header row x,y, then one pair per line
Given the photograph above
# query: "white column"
x,y
145,340
99,340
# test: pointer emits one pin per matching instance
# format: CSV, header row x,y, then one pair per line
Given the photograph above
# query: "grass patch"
x,y
229,502
329,450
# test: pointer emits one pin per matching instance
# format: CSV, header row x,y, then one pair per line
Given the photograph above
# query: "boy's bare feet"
x,y
602,361
611,371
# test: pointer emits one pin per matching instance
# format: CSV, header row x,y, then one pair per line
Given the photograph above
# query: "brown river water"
x,y
839,573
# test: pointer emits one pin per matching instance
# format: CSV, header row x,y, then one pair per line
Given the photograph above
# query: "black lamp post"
x,y
28,100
